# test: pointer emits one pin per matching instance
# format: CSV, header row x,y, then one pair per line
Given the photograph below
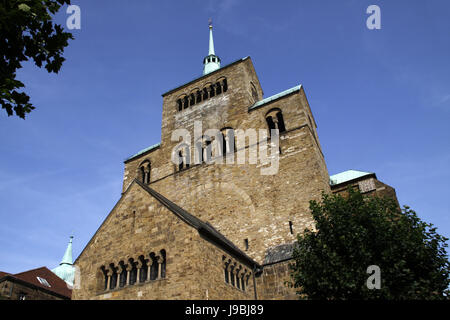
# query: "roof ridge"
x,y
141,152
44,267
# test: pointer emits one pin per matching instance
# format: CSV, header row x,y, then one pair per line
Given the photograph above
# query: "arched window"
x,y
154,266
144,172
281,126
192,100
198,152
181,164
185,102
270,123
207,152
243,282
113,281
229,141
275,120
238,279
224,144
105,275
225,269
163,263
123,274
199,96
143,269
212,91
133,272
218,88
224,85
205,94
232,274
179,105
184,156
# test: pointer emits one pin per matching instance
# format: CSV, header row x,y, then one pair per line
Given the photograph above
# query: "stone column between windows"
x,y
158,265
243,284
108,284
237,279
233,274
149,265
128,269
138,271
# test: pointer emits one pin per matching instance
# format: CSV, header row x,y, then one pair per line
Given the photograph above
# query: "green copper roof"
x,y
211,42
68,254
143,151
347,176
274,97
66,270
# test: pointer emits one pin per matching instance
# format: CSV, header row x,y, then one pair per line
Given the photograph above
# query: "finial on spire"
x,y
210,23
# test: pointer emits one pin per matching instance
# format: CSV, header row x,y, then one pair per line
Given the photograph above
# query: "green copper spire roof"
x,y
347,176
211,62
211,42
66,270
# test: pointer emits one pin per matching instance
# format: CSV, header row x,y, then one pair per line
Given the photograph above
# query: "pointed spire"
x,y
67,258
211,39
211,62
66,270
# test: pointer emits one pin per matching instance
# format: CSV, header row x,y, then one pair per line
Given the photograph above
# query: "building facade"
x,y
188,227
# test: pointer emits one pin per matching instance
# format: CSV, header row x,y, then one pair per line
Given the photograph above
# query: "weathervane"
x,y
210,22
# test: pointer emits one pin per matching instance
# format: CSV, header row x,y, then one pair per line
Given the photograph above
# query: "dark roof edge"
x,y
203,76
204,229
372,175
238,254
33,286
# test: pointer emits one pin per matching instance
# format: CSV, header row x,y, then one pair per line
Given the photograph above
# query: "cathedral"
x,y
188,226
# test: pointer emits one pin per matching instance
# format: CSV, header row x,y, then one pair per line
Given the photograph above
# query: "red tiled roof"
x,y
57,284
2,274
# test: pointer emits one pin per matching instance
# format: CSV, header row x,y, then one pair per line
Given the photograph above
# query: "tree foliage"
x,y
27,32
355,232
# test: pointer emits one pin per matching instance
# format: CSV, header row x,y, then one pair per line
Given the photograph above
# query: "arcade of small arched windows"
x,y
208,148
127,273
212,90
144,172
274,119
235,274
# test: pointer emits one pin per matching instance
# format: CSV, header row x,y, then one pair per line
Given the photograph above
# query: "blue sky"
x,y
381,99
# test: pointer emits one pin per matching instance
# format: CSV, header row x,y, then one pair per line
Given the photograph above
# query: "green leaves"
x,y
24,7
27,32
356,232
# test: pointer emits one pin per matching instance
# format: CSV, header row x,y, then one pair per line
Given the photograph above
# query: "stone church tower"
x,y
187,227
